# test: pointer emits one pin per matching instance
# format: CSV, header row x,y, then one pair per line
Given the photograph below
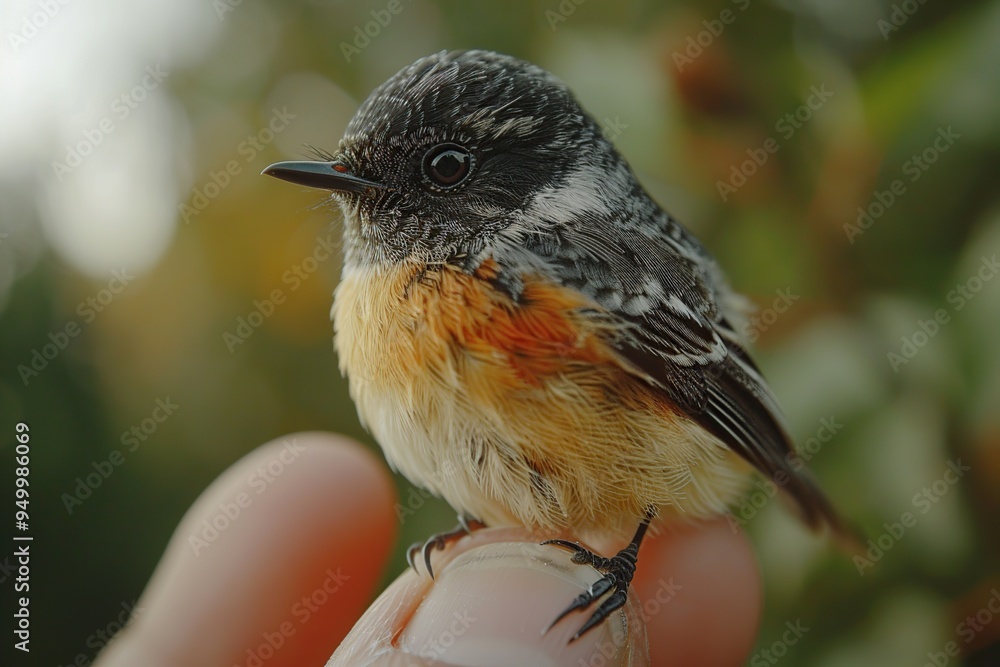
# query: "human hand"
x,y
285,580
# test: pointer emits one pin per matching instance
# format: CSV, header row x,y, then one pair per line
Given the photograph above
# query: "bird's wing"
x,y
672,332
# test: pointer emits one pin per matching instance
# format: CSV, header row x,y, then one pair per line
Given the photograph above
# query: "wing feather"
x,y
673,332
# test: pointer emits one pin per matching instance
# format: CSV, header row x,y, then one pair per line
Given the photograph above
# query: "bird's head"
x,y
451,152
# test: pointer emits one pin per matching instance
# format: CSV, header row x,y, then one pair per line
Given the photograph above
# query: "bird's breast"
x,y
514,412
409,326
449,374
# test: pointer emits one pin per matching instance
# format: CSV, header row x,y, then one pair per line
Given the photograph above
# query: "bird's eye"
x,y
447,165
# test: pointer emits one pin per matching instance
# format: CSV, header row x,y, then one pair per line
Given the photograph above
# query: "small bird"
x,y
526,333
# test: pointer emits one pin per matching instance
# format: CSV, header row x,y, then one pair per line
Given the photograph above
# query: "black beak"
x,y
325,175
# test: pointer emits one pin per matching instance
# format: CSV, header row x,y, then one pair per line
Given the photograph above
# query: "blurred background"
x,y
840,159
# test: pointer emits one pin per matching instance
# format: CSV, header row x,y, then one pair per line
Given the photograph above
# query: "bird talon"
x,y
618,572
439,541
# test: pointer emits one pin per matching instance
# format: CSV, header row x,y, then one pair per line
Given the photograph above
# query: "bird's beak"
x,y
325,175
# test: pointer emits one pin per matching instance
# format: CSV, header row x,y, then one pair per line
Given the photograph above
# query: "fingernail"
x,y
490,605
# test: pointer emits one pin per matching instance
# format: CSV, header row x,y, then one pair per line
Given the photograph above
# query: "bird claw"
x,y
618,572
582,555
439,541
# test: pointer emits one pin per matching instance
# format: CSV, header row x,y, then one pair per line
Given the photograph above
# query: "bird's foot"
x,y
618,572
439,541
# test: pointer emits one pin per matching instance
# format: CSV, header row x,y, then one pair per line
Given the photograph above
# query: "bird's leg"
x,y
618,572
466,524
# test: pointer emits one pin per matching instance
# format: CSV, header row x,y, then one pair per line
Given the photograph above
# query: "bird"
x,y
527,333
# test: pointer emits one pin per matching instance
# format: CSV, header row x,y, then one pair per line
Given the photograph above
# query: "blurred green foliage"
x,y
689,108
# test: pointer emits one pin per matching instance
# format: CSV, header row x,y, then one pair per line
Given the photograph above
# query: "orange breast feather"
x,y
443,365
537,337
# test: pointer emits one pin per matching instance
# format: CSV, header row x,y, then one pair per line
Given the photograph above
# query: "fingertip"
x,y
346,497
700,595
500,599
371,640
495,594
288,543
